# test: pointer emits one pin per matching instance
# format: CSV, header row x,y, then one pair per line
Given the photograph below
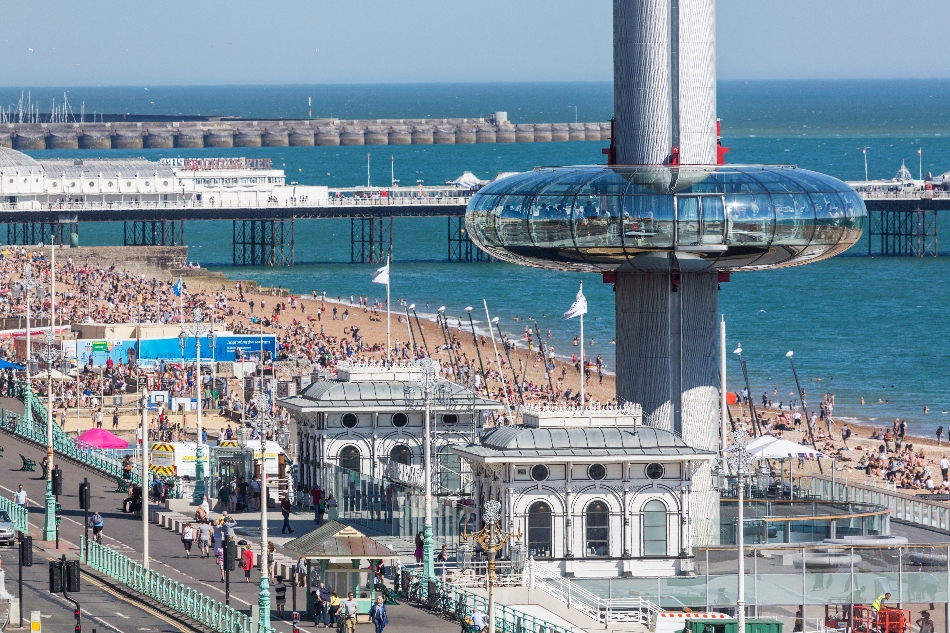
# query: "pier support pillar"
x,y
371,239
667,361
32,233
908,233
154,233
461,247
267,242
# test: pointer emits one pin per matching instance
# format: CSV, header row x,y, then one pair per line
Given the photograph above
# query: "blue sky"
x,y
174,42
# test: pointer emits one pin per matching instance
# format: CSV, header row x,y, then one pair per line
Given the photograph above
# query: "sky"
x,y
178,42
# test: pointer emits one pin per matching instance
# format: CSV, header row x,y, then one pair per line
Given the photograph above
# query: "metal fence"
x,y
32,427
917,509
17,514
171,594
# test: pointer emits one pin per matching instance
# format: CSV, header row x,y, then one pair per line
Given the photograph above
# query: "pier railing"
x,y
170,593
32,427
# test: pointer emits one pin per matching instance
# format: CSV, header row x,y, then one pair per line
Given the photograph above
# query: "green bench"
x,y
29,465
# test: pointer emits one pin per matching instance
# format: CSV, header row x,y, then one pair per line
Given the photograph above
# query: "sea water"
x,y
872,328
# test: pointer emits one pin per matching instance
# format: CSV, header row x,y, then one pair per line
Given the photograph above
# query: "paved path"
x,y
123,532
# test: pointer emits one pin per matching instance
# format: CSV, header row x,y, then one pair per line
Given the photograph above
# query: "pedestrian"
x,y
187,538
377,614
442,559
270,560
301,572
478,620
799,621
98,524
939,434
219,558
944,467
286,511
321,606
925,623
20,497
419,544
204,538
280,596
349,608
334,609
247,563
115,418
224,496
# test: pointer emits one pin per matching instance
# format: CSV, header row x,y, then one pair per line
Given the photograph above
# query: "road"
x,y
123,533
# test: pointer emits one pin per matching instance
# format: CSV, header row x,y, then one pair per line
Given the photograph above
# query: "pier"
x,y
904,224
227,133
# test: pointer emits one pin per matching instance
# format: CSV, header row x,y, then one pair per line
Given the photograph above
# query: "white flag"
x,y
381,276
578,308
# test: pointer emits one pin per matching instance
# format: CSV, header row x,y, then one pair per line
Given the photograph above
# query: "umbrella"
x,y
784,449
101,438
5,364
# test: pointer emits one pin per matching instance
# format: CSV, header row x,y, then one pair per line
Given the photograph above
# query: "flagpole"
x,y
920,158
388,346
865,152
583,362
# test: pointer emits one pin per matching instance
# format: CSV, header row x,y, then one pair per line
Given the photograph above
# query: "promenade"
x,y
123,533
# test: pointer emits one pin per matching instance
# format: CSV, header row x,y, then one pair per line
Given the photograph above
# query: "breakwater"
x,y
289,133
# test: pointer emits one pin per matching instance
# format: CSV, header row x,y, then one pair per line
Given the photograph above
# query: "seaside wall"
x,y
295,133
162,262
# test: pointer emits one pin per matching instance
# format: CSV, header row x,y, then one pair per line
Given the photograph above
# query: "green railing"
x,y
172,594
17,514
507,619
33,428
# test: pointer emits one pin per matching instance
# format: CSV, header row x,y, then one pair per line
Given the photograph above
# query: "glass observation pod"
x,y
728,217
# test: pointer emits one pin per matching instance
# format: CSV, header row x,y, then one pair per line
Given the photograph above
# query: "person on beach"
x,y
939,434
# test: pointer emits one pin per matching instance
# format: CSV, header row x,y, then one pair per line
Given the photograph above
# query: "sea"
x,y
871,330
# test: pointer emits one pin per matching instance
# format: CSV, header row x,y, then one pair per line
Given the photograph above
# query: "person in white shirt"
x,y
478,619
20,498
944,466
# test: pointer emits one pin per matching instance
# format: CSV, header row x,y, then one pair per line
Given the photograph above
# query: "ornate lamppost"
x,y
198,329
492,539
740,461
264,421
429,384
50,355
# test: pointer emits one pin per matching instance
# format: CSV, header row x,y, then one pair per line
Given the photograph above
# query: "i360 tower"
x,y
666,221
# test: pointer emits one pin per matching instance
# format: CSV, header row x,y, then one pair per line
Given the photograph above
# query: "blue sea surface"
x,y
872,328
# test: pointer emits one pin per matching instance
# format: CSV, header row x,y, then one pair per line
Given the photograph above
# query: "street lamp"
x,y
213,343
741,462
428,384
748,390
198,329
265,422
492,539
514,374
477,351
50,355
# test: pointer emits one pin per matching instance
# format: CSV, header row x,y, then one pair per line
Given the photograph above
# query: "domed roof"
x,y
12,159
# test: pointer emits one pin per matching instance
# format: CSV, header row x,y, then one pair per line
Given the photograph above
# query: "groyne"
x,y
226,133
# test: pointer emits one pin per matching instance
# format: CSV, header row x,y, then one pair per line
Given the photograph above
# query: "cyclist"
x,y
97,523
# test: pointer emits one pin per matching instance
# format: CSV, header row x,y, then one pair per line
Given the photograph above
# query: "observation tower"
x,y
666,221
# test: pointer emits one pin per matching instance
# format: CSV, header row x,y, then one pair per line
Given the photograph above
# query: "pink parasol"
x,y
101,438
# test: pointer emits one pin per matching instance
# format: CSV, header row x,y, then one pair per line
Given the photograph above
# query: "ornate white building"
x,y
594,492
372,415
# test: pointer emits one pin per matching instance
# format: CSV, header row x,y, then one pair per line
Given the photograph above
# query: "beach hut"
x,y
342,558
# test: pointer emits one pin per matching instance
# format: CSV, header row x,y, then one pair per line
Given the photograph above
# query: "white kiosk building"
x,y
595,492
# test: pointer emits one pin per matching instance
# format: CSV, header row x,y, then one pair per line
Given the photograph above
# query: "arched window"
x,y
401,454
598,528
350,458
654,529
539,530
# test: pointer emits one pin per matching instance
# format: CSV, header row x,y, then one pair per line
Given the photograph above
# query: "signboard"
x,y
100,346
208,164
409,475
169,349
100,351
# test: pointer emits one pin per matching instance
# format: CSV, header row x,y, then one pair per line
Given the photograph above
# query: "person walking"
x,y
334,609
219,559
349,608
204,538
20,497
377,615
247,563
925,623
418,551
286,511
301,572
187,538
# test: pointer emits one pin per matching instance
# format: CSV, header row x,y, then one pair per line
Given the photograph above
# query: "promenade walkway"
x,y
123,533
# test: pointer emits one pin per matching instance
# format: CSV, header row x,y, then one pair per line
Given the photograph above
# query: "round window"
x,y
54,184
597,471
92,184
146,183
72,184
400,419
128,183
450,418
540,472
655,471
350,420
165,183
110,183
